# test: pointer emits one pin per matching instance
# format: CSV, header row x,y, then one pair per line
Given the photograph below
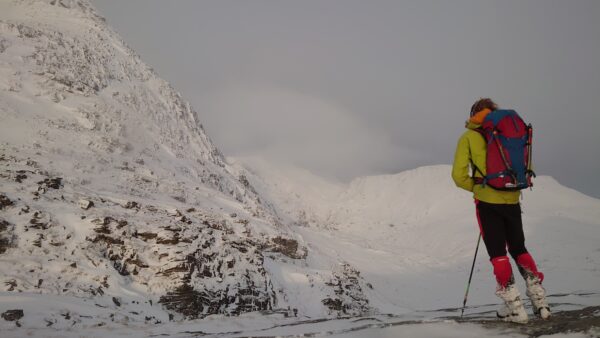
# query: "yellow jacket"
x,y
471,149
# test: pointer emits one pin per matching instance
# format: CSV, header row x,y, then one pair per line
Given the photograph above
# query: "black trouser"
x,y
501,227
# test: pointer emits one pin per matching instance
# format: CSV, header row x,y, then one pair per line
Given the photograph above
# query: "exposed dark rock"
x,y
103,221
117,301
240,246
35,222
132,205
4,201
105,239
12,284
184,300
242,221
38,241
20,176
168,241
179,268
54,183
57,243
103,229
96,291
12,315
6,237
146,235
333,304
184,219
105,282
230,263
136,262
287,247
349,299
244,180
194,304
121,268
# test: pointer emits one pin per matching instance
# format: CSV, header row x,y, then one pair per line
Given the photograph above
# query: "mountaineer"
x,y
493,161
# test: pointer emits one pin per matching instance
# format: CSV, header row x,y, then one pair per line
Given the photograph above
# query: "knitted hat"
x,y
482,103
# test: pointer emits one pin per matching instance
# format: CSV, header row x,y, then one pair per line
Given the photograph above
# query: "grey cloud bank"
x,y
348,88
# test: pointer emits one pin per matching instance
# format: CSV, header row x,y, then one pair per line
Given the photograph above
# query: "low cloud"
x,y
287,126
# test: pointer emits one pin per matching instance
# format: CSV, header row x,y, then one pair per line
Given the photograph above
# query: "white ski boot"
x,y
513,309
537,295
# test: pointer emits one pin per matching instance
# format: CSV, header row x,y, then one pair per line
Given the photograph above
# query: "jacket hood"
x,y
471,125
477,119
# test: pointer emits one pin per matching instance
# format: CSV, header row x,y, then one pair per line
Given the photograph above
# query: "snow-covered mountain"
x,y
117,211
111,192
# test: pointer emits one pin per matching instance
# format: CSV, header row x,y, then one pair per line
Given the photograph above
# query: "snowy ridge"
x,y
299,196
113,197
94,83
418,195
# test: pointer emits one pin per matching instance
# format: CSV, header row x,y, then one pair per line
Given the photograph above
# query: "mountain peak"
x,y
111,189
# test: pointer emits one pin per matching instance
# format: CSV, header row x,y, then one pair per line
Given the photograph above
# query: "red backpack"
x,y
508,158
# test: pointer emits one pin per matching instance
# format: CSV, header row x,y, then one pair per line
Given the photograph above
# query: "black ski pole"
x,y
470,277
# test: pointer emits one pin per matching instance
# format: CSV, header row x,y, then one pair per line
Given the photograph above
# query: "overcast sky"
x,y
348,88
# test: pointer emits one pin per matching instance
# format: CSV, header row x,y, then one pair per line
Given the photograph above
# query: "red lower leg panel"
x,y
526,262
502,270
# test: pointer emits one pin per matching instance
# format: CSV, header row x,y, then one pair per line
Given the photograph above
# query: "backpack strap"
x,y
483,179
478,180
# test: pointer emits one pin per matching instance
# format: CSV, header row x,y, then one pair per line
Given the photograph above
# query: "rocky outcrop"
x,y
196,263
349,298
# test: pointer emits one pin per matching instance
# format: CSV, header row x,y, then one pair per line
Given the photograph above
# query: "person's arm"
x,y
460,168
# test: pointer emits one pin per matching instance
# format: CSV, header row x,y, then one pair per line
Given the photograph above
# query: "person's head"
x,y
482,104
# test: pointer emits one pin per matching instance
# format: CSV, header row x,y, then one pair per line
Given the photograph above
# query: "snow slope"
x,y
412,235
